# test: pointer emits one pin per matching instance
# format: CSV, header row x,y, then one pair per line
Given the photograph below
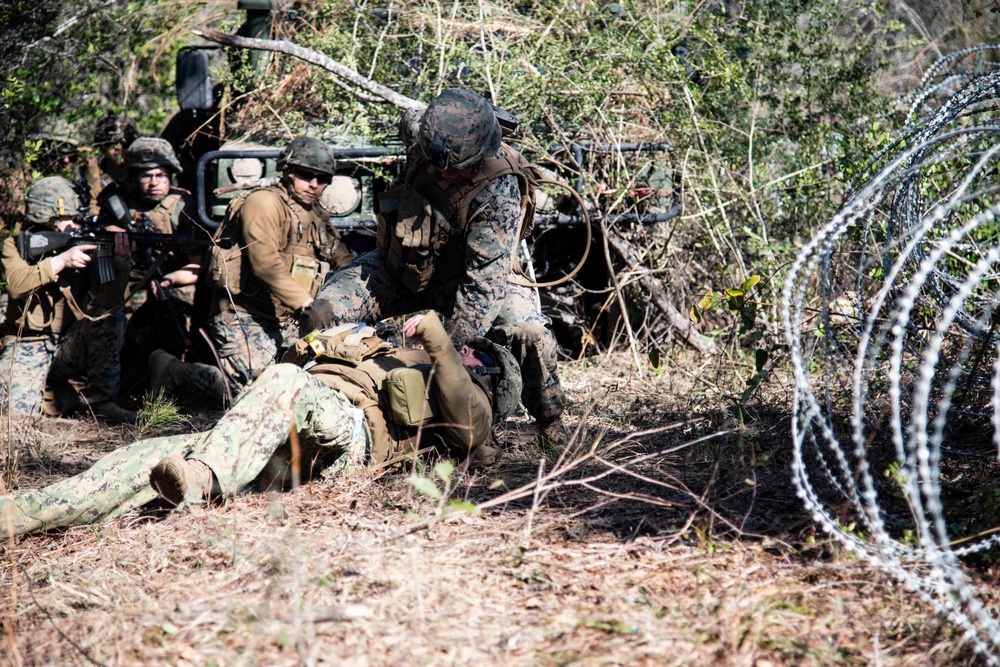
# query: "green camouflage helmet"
x,y
506,374
49,198
458,130
309,153
409,125
152,152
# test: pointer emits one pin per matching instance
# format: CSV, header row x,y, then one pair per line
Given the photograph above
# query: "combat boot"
x,y
553,433
178,480
112,413
484,455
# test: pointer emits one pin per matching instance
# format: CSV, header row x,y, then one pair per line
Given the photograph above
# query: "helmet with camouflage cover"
x,y
409,125
506,373
152,152
114,129
308,152
458,130
49,198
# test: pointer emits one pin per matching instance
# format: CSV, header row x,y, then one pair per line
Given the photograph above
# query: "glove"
x,y
317,316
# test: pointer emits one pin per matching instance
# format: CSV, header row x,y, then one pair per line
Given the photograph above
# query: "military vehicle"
x,y
558,247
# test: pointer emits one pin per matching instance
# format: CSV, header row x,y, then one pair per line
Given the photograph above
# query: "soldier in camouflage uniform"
x,y
286,252
48,337
162,284
451,247
337,429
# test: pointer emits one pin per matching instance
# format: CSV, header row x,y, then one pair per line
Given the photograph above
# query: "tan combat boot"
x,y
178,480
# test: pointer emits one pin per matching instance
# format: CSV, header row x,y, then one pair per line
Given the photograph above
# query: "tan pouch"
x,y
408,397
309,273
224,267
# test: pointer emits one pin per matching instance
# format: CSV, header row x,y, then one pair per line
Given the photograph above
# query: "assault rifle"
x,y
32,246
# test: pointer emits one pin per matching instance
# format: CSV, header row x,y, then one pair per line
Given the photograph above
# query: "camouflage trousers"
x,y
88,351
247,346
240,446
364,291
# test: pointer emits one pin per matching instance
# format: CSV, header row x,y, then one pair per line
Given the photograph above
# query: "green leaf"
x,y
654,358
425,486
706,301
749,282
444,469
496,485
696,315
733,292
461,506
614,626
759,359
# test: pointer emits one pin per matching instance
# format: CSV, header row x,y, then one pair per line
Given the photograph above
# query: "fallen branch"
x,y
679,323
381,93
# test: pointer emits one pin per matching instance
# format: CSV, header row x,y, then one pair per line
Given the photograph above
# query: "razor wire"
x,y
891,317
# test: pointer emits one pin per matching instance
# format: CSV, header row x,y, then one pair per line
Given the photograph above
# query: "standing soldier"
x,y
446,240
282,252
49,338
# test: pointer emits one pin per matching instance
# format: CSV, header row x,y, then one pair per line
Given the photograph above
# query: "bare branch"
x,y
342,73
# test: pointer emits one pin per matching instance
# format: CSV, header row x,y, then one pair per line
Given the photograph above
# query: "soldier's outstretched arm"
x,y
466,414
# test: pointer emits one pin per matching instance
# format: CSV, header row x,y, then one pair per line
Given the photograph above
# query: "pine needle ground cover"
x,y
677,539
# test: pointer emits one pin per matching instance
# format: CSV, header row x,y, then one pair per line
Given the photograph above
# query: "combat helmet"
x,y
309,153
499,363
409,125
152,152
114,129
458,130
53,196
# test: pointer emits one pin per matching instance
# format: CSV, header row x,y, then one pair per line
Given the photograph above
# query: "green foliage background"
x,y
767,105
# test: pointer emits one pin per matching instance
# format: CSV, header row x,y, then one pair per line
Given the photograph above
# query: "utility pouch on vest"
x,y
407,393
409,236
308,272
224,268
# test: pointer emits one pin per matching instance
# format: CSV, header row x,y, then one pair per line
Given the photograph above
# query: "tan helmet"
x,y
49,198
152,152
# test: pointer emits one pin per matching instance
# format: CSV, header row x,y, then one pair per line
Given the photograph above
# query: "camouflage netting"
x,y
891,316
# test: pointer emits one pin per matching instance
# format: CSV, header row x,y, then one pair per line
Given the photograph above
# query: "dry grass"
x,y
347,572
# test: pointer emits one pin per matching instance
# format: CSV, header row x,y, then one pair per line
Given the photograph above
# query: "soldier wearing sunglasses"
x,y
286,252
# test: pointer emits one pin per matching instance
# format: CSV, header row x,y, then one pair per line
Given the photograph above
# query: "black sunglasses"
x,y
308,175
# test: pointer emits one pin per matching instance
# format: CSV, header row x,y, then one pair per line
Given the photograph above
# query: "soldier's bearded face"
x,y
306,185
154,184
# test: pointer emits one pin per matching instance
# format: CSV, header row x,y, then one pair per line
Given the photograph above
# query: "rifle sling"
x,y
76,309
153,268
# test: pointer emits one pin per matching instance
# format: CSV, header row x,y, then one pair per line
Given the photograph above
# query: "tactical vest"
x,y
307,238
165,216
388,385
422,222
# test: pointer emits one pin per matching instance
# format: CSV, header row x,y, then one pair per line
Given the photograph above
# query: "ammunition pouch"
x,y
410,233
308,272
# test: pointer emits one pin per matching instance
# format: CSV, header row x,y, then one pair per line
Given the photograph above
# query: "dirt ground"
x,y
669,534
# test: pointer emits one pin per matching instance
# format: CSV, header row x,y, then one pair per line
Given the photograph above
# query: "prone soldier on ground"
x,y
281,253
61,325
446,240
360,403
